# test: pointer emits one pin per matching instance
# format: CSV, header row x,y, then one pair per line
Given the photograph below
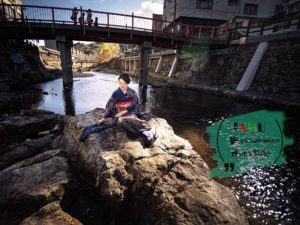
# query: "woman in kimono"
x,y
124,105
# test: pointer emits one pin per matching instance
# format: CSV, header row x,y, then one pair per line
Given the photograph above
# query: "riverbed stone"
x,y
166,183
28,124
50,214
25,150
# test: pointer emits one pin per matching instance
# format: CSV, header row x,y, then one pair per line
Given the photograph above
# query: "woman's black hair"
x,y
125,77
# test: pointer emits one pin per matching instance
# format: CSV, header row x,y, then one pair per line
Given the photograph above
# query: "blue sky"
x,y
139,7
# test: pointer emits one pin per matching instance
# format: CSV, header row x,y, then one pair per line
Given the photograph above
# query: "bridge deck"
x,y
41,22
100,34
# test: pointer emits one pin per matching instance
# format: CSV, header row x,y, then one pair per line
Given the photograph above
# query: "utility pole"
x,y
175,9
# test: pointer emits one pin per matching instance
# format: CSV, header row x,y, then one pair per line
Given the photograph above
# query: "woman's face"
x,y
123,85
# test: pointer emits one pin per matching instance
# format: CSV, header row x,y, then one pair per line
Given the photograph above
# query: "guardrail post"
x,y
132,18
15,13
53,18
200,30
3,12
187,31
22,13
213,33
262,28
107,19
248,28
226,33
80,21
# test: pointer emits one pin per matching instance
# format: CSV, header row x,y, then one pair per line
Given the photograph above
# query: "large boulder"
x,y
34,181
166,183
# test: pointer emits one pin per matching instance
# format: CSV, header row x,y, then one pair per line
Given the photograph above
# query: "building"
x,y
293,6
157,25
216,12
11,12
286,18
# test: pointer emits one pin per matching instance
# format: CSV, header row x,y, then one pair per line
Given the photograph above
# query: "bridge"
x,y
43,22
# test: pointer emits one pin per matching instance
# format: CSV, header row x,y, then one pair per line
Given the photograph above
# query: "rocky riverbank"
x,y
112,67
20,67
48,177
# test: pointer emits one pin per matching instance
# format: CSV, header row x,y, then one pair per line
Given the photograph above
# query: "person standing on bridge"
x,y
89,19
74,15
81,19
96,22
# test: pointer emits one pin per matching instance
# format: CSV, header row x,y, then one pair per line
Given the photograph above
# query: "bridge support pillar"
x,y
146,47
65,46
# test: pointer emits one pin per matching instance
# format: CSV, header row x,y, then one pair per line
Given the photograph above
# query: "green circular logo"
x,y
248,141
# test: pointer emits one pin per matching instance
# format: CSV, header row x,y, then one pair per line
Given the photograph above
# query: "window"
x,y
167,2
278,9
286,24
233,2
294,8
250,9
204,4
238,24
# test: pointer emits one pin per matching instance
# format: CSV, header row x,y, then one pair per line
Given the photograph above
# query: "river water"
x,y
267,195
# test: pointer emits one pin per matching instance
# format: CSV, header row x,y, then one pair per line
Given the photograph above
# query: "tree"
x,y
109,51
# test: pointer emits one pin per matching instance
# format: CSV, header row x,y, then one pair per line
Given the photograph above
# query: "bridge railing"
x,y
273,25
59,15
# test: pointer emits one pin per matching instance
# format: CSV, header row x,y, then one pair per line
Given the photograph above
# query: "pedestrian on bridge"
x,y
74,15
96,22
81,19
89,19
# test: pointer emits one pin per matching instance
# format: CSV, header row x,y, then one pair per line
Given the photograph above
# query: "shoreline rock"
x,y
165,184
33,173
27,124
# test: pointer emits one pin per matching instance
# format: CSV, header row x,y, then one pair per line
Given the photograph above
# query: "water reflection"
x,y
143,95
69,101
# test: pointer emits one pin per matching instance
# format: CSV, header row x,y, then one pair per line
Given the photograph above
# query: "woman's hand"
x,y
121,113
100,121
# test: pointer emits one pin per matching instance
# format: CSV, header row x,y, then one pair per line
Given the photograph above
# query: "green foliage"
x,y
109,51
91,48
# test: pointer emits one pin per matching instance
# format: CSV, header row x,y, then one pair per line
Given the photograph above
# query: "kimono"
x,y
120,101
133,121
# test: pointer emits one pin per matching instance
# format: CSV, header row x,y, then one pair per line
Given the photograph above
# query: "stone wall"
x,y
278,73
225,69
